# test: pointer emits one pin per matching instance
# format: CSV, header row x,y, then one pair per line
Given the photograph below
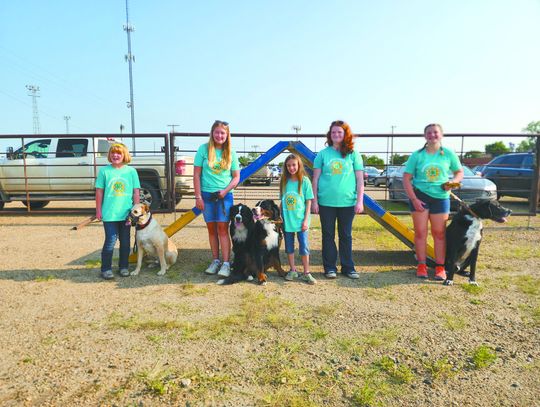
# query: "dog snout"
x,y
238,218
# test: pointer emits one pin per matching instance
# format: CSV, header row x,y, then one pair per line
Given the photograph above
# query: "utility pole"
x,y
392,127
172,126
128,28
296,128
33,91
66,118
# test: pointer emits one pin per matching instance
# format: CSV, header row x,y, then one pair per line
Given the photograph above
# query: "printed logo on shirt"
x,y
337,167
290,201
218,167
118,186
433,172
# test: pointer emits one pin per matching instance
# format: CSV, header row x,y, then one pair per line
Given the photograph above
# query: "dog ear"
x,y
145,208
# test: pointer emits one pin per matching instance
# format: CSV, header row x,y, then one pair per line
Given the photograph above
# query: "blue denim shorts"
x,y
435,206
302,242
217,211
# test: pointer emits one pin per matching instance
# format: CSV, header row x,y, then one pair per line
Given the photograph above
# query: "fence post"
x,y
535,187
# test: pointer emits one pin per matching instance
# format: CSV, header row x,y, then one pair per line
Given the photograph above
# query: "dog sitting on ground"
x,y
151,239
464,234
256,237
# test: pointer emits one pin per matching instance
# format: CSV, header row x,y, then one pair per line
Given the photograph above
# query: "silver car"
x,y
473,187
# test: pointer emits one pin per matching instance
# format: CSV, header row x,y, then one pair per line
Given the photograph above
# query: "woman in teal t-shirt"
x,y
429,169
338,189
216,173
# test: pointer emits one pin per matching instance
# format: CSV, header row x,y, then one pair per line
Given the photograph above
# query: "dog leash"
x,y
463,204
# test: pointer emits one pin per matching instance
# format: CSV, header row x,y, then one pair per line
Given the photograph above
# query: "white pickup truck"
x,y
55,168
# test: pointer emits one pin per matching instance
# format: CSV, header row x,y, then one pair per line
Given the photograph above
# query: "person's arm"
x,y
359,207
99,203
306,215
136,196
197,187
458,177
315,186
407,185
232,184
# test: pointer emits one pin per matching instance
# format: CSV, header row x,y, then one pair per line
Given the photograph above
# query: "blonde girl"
x,y
296,194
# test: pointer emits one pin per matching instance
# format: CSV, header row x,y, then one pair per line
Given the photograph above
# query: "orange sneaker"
x,y
440,273
421,270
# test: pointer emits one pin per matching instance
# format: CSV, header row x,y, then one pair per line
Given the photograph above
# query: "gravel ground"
x,y
70,338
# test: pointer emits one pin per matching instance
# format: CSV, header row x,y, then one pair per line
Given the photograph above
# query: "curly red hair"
x,y
347,146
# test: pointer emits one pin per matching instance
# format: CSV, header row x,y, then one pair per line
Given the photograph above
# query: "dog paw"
x,y
249,278
472,282
448,282
134,272
263,283
221,281
161,272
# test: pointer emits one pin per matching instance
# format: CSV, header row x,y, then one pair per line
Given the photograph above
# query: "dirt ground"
x,y
70,338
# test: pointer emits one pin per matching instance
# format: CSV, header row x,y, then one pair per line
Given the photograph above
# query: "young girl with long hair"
x,y
425,181
216,173
296,194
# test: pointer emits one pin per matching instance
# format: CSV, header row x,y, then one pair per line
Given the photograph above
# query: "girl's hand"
x,y
199,203
304,225
418,205
222,194
98,214
359,207
314,207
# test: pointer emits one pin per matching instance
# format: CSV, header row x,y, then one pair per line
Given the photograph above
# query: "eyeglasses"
x,y
338,123
221,123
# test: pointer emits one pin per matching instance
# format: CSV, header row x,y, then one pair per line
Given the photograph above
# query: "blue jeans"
x,y
435,206
302,242
115,231
217,211
344,217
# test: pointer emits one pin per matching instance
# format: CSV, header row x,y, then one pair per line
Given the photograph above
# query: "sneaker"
x,y
330,274
107,275
213,267
308,278
124,272
291,275
353,274
440,273
421,270
225,270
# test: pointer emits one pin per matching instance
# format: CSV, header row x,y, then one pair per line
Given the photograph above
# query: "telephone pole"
x,y
33,91
66,118
172,126
128,28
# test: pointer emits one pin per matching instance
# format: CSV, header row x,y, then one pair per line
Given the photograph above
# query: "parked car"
x,y
512,173
276,172
383,177
473,187
372,173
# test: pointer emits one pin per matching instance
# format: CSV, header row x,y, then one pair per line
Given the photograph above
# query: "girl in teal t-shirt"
x,y
216,173
425,181
338,188
296,195
117,190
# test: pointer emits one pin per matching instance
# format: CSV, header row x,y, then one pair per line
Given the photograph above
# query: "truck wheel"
x,y
36,204
1,205
247,182
149,193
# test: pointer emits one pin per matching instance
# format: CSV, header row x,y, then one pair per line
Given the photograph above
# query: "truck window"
x,y
528,161
37,148
72,148
512,160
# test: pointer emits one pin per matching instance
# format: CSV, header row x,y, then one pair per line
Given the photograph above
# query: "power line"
x,y
35,114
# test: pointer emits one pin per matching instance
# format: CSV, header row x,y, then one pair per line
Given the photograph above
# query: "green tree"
x,y
474,154
530,143
497,148
373,161
398,159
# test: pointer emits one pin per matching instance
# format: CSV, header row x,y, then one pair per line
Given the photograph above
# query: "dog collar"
x,y
141,227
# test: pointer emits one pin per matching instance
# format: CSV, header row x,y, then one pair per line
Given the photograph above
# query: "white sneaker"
x,y
225,270
213,267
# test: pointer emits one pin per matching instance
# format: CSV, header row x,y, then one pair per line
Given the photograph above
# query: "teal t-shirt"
x,y
430,171
216,178
337,183
293,204
118,185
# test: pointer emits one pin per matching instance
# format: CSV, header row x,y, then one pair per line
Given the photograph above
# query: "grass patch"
x,y
439,368
41,279
398,373
476,301
483,356
191,289
472,289
453,322
92,264
380,338
136,323
527,284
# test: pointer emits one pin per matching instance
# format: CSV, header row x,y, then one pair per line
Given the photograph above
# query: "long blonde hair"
x,y
286,175
226,154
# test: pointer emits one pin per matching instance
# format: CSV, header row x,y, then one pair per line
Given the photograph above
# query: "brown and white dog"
x,y
151,239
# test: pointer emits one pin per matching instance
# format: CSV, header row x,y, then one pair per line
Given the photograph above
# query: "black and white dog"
x,y
256,237
464,234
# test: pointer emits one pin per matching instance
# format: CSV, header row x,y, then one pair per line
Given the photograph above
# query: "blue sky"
x,y
266,65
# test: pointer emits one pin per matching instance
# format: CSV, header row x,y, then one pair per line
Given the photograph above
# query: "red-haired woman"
x,y
338,187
